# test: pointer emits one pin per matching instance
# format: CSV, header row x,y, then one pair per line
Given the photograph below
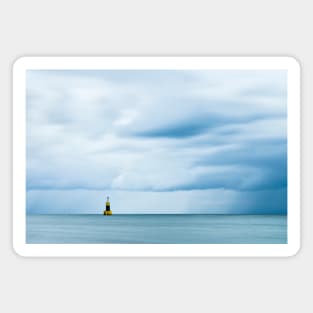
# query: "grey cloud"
x,y
156,132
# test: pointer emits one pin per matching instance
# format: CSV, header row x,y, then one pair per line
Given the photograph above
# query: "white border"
x,y
155,250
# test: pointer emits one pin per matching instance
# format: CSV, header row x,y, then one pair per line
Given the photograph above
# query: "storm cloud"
x,y
192,141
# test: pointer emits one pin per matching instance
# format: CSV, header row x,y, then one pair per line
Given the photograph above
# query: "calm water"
x,y
156,229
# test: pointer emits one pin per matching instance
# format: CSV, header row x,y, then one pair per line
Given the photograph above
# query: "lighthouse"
x,y
107,210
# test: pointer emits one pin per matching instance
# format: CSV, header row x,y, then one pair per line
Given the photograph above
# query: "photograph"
x,y
157,156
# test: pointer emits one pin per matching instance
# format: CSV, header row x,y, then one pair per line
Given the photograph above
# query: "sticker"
x,y
156,156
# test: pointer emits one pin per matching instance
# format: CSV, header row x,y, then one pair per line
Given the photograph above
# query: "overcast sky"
x,y
157,141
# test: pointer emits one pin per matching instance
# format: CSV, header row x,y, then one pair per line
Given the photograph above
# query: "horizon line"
x,y
158,214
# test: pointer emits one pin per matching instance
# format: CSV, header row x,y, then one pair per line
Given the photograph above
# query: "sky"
x,y
156,141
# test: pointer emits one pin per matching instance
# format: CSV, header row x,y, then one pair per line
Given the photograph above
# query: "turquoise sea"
x,y
154,229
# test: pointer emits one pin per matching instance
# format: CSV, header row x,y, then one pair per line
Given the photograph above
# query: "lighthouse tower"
x,y
107,207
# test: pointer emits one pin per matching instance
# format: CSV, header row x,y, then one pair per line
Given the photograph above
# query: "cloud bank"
x,y
157,141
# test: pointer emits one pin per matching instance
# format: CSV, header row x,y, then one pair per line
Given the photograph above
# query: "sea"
x,y
156,229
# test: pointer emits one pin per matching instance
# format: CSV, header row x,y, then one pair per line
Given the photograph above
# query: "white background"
x,y
155,28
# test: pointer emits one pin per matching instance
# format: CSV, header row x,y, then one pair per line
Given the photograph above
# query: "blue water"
x,y
177,229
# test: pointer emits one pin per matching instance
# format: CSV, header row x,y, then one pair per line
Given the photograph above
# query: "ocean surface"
x,y
154,229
